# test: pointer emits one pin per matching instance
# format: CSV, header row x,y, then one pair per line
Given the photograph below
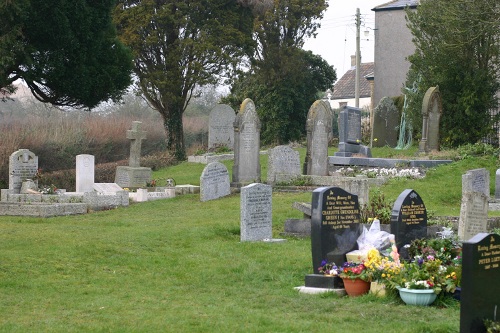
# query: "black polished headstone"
x,y
408,218
335,225
480,295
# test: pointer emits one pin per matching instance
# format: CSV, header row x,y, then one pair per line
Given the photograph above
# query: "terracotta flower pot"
x,y
356,287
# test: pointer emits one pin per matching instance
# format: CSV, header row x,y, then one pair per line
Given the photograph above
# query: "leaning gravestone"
x,y
246,168
335,228
480,294
319,129
408,218
134,175
23,165
283,164
350,133
385,124
84,173
256,223
432,108
214,182
474,206
220,127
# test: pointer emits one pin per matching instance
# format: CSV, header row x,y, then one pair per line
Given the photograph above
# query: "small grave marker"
x,y
84,173
256,222
283,163
214,182
23,165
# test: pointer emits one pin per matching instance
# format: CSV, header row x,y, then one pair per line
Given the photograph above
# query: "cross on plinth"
x,y
136,135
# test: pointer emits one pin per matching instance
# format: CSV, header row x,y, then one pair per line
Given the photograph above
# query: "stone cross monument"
x,y
136,136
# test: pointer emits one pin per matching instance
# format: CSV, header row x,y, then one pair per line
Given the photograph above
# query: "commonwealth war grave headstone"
x,y
220,127
134,175
350,133
432,108
480,294
256,223
319,130
408,218
474,206
246,168
84,173
214,182
23,165
335,228
283,164
385,124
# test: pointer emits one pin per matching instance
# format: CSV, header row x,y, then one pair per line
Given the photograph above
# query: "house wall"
x,y
363,102
392,46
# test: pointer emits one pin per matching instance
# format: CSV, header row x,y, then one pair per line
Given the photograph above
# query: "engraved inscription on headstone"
x,y
256,212
214,182
283,161
473,215
319,128
354,127
23,165
220,127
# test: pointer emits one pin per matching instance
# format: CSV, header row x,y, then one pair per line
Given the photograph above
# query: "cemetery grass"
x,y
177,265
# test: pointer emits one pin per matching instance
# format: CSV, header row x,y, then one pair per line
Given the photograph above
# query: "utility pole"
x,y
358,58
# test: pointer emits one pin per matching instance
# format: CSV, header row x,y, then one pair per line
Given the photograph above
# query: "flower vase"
x,y
377,288
420,297
356,287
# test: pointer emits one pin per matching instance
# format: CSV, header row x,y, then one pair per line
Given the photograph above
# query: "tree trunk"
x,y
172,122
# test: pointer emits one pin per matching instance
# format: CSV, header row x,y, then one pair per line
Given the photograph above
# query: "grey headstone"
x,y
350,133
432,108
385,124
220,127
84,173
480,295
282,160
246,168
23,165
319,129
497,184
256,222
214,182
473,215
476,180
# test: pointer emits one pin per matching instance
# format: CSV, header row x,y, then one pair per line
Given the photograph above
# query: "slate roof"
x,y
344,88
397,4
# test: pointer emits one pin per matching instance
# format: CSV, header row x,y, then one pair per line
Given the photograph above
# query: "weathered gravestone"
x,y
335,228
497,184
319,131
220,127
256,223
350,133
474,206
480,294
385,124
408,218
214,182
246,168
134,175
23,165
84,173
283,164
432,108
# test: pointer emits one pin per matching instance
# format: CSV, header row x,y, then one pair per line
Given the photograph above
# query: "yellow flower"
x,y
383,275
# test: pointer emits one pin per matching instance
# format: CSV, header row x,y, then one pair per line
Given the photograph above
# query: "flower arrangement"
x,y
48,189
351,270
380,268
327,268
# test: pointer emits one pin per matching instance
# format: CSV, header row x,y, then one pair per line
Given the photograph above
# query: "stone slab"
x,y
42,209
315,291
107,187
383,162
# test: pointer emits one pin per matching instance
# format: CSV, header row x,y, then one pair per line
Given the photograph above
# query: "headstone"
x,y
335,225
214,182
107,188
476,180
473,215
480,294
497,184
256,223
23,165
246,168
283,163
350,134
319,130
84,173
408,218
432,108
385,124
134,175
220,127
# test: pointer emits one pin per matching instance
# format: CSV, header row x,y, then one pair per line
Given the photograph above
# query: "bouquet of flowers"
x,y
328,268
351,270
381,268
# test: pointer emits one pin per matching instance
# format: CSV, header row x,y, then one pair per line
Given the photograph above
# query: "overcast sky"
x,y
336,39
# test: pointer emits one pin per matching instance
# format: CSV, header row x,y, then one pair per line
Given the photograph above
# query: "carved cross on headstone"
x,y
136,135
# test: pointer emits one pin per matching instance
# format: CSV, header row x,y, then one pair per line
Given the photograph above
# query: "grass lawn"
x,y
177,265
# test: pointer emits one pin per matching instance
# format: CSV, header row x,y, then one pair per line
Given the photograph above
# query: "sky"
x,y
336,39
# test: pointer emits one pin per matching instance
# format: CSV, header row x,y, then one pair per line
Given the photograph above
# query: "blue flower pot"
x,y
420,297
